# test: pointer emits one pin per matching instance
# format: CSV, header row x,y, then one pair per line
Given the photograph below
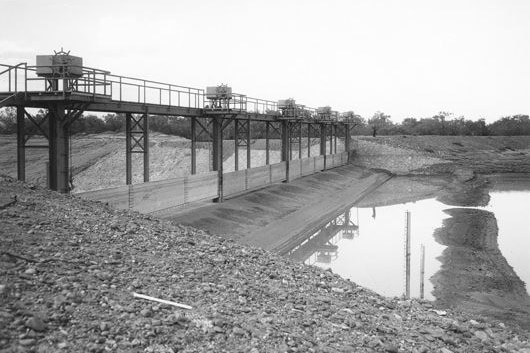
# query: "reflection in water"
x,y
368,245
321,247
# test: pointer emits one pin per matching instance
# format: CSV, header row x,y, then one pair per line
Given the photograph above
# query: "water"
x,y
367,245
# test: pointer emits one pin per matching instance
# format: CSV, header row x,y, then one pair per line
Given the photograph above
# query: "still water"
x,y
367,245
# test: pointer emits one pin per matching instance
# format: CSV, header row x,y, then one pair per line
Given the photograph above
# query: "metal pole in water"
x,y
422,272
407,254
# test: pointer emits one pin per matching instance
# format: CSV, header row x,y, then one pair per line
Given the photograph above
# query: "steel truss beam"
x,y
295,137
242,139
277,132
136,141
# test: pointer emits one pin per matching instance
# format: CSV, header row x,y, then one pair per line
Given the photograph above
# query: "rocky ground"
x,y
68,268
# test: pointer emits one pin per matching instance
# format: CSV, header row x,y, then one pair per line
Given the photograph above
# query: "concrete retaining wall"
x,y
166,194
158,195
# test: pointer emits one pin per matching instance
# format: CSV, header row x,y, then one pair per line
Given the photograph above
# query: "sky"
x,y
407,58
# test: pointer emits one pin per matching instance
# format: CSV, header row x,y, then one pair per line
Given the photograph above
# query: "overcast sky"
x,y
408,58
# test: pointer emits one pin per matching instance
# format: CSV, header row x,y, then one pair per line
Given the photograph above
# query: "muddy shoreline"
x,y
475,276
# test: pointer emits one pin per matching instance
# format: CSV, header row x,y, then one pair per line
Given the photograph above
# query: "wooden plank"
x,y
234,182
294,169
117,197
158,195
307,166
201,187
329,161
278,172
258,177
319,163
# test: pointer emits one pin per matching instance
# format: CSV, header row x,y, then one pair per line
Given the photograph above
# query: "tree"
x,y
8,120
379,121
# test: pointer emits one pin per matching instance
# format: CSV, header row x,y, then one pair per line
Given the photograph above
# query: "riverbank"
x,y
69,267
431,155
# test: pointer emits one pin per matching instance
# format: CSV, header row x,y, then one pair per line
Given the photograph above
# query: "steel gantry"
x,y
65,89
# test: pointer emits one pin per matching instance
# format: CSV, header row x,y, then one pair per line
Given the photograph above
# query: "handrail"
x,y
102,83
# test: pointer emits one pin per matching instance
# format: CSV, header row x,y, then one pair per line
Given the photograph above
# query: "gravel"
x,y
68,268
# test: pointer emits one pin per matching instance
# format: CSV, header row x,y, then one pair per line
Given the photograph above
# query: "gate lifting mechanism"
x,y
61,65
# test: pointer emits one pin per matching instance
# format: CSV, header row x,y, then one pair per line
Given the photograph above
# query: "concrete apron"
x,y
276,217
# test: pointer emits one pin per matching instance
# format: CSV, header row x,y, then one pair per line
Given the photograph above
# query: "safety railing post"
x,y
120,88
144,91
16,79
169,91
9,77
25,79
94,80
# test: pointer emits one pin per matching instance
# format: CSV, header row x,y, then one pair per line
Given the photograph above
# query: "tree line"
x,y
380,123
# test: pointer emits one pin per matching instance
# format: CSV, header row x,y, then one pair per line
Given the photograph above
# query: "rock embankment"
x,y
68,268
459,155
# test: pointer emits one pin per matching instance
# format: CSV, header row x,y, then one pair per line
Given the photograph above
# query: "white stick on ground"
x,y
146,297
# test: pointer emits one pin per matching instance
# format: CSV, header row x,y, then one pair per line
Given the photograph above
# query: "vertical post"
x,y
58,149
128,149
267,132
236,144
323,139
407,254
347,138
193,146
286,151
21,145
335,127
308,140
300,140
422,272
146,147
285,141
331,138
218,154
248,144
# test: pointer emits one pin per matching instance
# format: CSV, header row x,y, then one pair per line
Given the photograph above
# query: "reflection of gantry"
x,y
322,246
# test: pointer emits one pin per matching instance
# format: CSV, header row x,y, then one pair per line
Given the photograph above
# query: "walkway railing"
x,y
97,83
102,84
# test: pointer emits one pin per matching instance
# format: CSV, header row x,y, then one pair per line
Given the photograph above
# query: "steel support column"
x,y
331,139
248,144
286,147
300,140
242,139
136,141
323,139
285,141
146,148
347,140
335,128
236,145
267,133
21,145
217,159
128,149
308,140
193,146
59,172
